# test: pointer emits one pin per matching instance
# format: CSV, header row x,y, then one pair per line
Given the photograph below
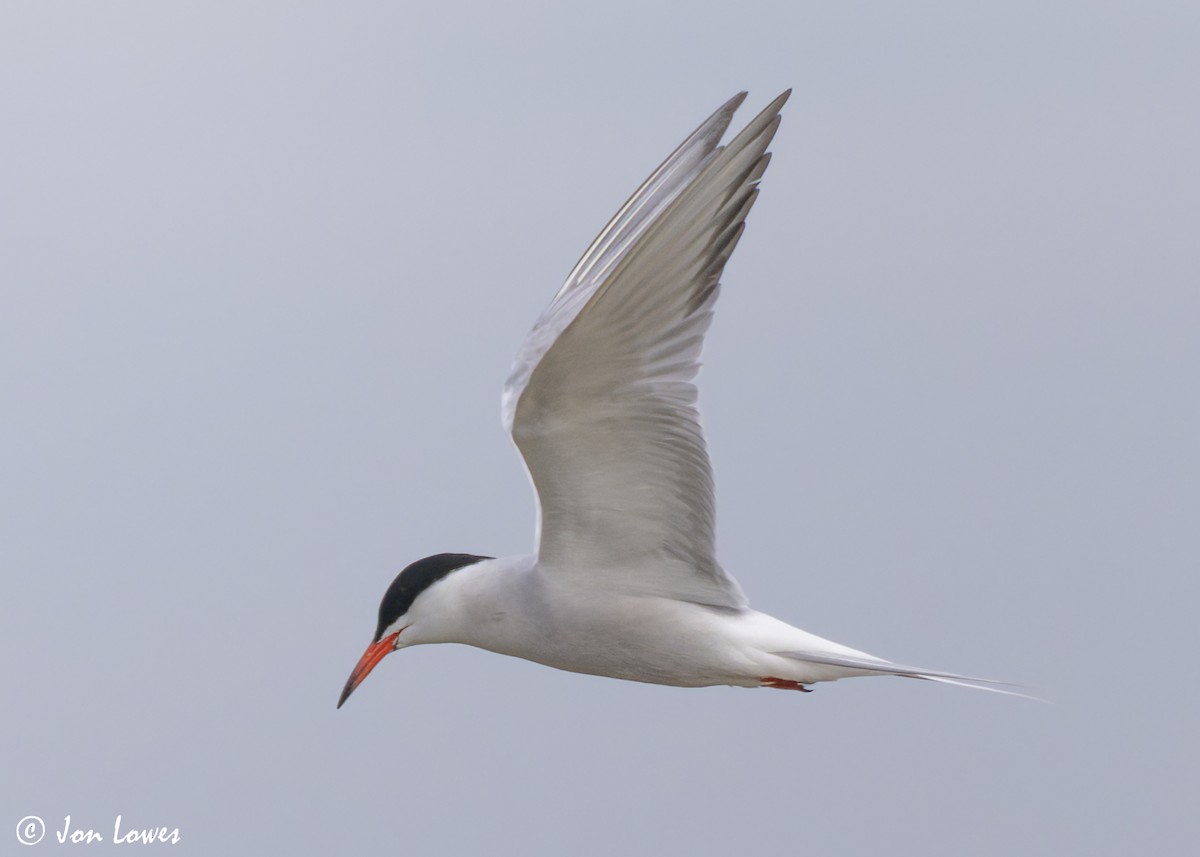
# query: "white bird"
x,y
602,406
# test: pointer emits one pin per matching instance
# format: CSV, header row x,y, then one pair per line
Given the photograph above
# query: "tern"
x,y
601,403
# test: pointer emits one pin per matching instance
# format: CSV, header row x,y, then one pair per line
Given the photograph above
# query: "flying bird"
x,y
601,403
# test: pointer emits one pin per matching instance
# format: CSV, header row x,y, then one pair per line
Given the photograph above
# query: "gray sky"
x,y
264,269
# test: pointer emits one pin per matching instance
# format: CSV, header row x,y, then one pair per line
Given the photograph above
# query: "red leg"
x,y
783,684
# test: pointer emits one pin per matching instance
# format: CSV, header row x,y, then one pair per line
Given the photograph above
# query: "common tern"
x,y
601,403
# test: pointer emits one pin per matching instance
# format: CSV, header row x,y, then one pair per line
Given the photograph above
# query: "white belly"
x,y
658,640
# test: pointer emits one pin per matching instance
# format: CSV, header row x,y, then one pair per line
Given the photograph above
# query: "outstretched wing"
x,y
601,400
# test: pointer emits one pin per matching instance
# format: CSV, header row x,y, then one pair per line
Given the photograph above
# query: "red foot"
x,y
783,684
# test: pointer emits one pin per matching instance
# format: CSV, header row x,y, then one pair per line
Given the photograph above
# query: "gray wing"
x,y
601,400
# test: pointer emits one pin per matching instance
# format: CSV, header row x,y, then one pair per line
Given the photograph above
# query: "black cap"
x,y
416,579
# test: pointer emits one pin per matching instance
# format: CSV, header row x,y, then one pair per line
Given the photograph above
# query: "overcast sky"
x,y
263,268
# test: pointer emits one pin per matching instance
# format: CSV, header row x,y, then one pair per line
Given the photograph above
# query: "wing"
x,y
601,400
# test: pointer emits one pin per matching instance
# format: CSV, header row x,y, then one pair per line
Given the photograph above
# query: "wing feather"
x,y
601,400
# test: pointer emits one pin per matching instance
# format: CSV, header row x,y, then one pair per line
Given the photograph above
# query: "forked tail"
x,y
877,666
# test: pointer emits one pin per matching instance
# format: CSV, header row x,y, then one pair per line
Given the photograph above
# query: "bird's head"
x,y
401,610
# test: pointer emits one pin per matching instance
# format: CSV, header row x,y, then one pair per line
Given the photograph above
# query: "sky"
x,y
264,267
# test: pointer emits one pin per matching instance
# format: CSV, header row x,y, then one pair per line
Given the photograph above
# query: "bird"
x,y
601,402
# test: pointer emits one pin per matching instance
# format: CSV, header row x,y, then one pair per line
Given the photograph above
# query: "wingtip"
x,y
780,100
734,103
726,110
